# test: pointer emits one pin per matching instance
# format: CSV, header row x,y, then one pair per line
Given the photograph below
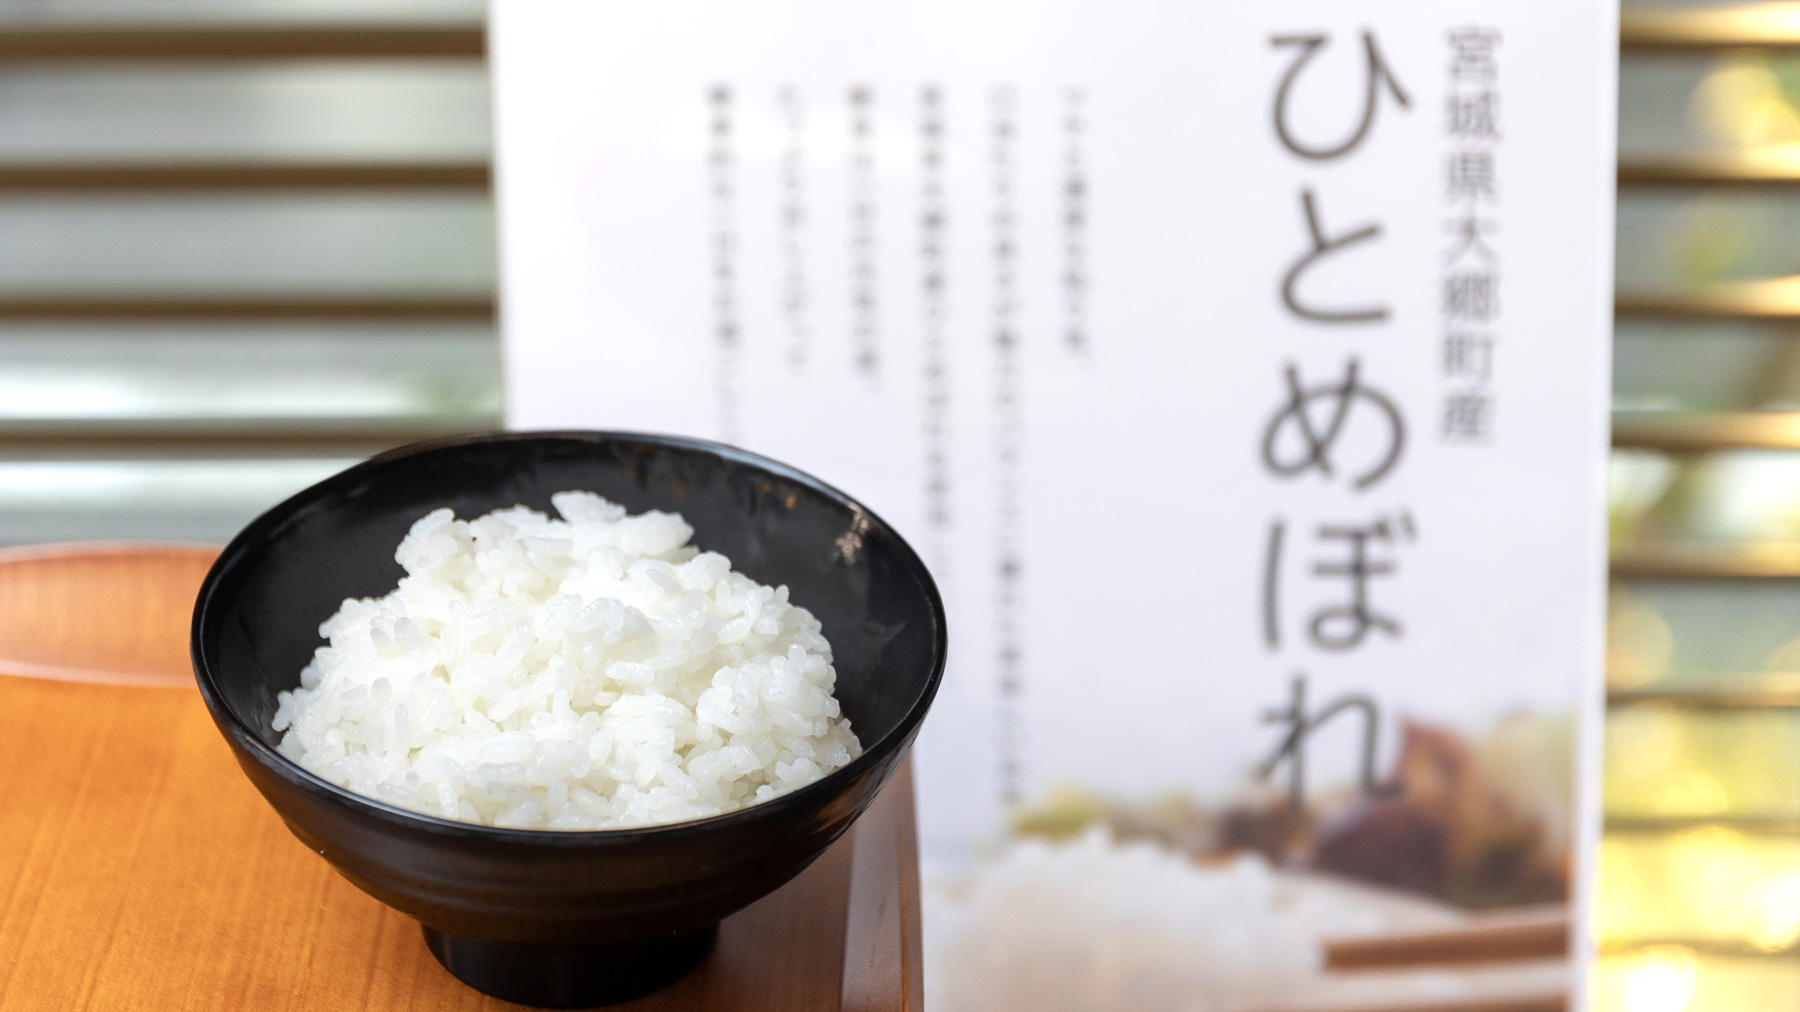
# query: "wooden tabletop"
x,y
139,869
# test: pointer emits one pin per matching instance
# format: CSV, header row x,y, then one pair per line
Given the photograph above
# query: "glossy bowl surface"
x,y
509,892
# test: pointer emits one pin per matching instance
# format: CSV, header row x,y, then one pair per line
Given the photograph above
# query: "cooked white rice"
x,y
1096,925
593,672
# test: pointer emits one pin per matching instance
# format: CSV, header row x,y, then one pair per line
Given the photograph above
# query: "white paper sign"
x,y
1240,370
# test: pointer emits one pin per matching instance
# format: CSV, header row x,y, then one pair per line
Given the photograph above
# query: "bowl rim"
x,y
798,800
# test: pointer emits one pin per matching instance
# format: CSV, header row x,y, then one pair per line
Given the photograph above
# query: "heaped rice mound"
x,y
592,672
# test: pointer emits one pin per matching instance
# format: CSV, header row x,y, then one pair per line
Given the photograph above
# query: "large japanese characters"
x,y
1241,372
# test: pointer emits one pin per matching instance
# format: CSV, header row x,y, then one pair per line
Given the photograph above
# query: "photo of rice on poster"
x,y
1241,374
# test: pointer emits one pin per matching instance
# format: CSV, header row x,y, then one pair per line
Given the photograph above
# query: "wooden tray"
x,y
139,869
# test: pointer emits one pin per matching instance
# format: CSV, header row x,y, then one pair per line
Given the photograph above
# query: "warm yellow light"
x,y
1690,792
1775,923
1741,105
1718,876
1658,979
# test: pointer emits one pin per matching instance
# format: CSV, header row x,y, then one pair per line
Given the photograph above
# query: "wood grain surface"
x,y
884,966
140,870
100,613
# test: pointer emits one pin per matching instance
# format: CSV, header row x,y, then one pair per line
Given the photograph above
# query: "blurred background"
x,y
254,242
242,249
1699,894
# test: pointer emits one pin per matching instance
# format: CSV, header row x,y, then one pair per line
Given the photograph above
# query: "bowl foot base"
x,y
575,977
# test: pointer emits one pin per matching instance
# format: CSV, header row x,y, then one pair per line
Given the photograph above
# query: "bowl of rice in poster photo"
x,y
569,698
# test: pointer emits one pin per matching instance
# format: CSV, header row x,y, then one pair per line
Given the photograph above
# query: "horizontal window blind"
x,y
246,243
1702,797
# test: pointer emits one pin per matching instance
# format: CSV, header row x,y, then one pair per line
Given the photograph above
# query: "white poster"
x,y
1240,371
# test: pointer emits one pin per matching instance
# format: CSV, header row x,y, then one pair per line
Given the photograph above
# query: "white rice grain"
x,y
589,672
